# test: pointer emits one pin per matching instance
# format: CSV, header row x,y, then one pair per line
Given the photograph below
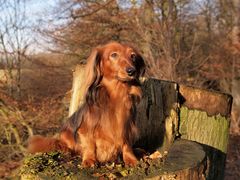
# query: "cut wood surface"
x,y
212,102
185,160
77,90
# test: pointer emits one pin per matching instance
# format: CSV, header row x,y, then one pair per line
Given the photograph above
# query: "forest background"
x,y
196,43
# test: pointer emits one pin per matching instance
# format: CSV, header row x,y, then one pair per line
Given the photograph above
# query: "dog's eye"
x,y
133,56
114,55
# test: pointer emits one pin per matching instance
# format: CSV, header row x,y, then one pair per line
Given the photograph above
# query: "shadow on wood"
x,y
157,115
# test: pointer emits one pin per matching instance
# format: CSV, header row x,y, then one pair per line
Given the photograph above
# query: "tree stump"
x,y
167,112
205,118
185,160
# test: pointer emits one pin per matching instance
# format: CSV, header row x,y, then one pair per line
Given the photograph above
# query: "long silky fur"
x,y
91,117
92,96
94,76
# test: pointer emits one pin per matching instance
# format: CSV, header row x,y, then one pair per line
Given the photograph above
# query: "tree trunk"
x,y
205,118
18,75
236,23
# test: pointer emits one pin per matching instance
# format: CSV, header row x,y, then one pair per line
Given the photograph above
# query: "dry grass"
x,y
41,110
19,121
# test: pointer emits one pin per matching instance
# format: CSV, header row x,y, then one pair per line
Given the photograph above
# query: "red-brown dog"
x,y
104,126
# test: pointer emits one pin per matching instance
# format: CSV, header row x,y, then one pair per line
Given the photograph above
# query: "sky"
x,y
35,10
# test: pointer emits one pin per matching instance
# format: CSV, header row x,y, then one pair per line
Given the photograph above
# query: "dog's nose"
x,y
130,71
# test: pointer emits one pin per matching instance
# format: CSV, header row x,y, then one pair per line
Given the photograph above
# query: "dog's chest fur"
x,y
114,124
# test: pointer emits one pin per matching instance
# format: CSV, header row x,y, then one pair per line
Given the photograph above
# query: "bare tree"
x,y
181,40
14,41
88,24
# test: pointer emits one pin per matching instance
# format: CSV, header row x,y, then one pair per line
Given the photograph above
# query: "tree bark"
x,y
205,118
157,115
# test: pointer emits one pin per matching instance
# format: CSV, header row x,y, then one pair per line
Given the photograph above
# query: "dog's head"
x,y
113,61
121,62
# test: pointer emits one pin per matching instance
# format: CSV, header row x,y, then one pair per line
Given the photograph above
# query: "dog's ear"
x,y
93,70
91,81
93,74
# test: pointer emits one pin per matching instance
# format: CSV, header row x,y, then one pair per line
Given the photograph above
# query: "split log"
x,y
157,115
205,118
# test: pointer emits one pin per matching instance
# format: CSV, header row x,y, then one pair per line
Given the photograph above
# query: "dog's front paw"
x,y
88,163
130,161
128,156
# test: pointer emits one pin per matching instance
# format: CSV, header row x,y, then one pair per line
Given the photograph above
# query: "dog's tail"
x,y
45,144
65,143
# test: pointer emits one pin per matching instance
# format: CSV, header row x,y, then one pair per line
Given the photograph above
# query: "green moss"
x,y
56,165
182,154
197,126
48,165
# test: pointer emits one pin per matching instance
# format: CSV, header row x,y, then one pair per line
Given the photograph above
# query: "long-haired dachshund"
x,y
104,126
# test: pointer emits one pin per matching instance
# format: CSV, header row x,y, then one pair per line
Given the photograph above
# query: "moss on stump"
x,y
185,159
